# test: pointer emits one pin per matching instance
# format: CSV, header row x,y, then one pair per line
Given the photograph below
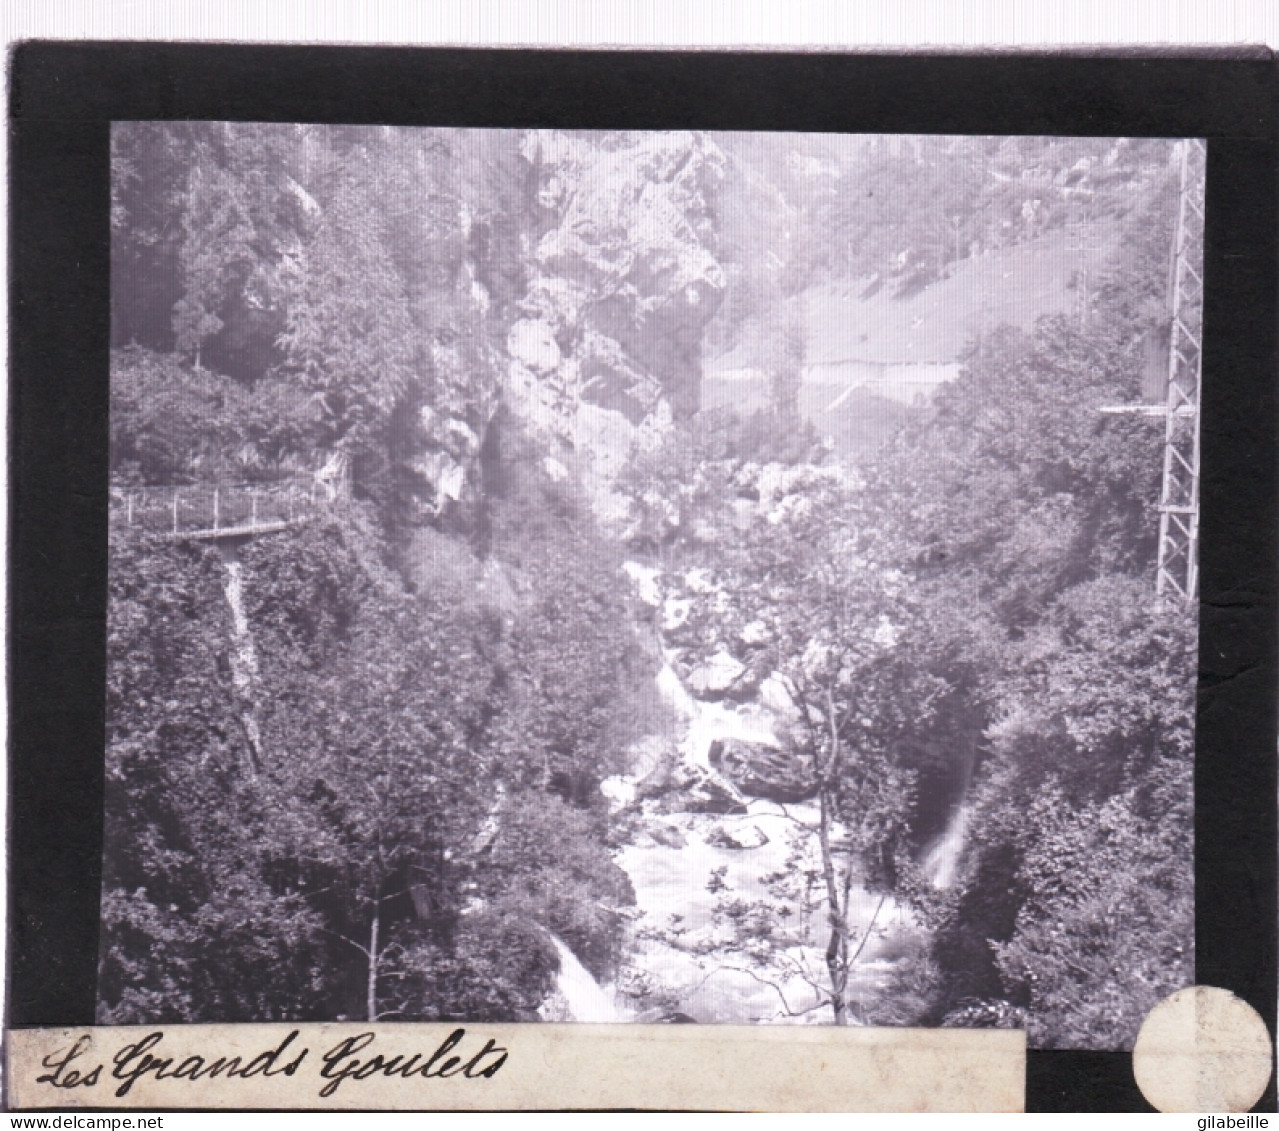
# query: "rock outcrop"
x,y
605,351
763,771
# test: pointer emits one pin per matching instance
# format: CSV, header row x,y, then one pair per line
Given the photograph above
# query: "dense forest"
x,y
443,618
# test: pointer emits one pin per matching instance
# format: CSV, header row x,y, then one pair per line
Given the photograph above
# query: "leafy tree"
x,y
911,206
348,337
169,423
833,622
571,660
150,167
784,362
173,424
1106,930
192,928
906,206
1016,480
548,863
372,710
1084,817
835,617
430,764
216,251
500,967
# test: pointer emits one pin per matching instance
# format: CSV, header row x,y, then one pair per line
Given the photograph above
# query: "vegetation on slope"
x,y
385,812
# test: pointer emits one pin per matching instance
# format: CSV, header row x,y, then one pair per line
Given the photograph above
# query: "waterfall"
x,y
244,656
709,722
673,691
941,863
586,999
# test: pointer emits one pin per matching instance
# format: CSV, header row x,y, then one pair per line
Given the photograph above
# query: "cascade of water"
x,y
708,722
941,864
673,691
586,999
244,656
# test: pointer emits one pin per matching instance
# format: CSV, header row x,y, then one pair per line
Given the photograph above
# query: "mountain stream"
x,y
680,966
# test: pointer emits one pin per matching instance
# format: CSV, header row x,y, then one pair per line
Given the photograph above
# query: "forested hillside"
x,y
463,665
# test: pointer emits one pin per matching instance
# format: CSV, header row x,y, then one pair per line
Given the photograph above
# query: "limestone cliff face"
x,y
441,442
605,348
465,372
593,338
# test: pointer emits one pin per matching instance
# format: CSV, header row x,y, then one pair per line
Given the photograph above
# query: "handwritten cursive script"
x,y
340,1062
352,1058
62,1075
135,1061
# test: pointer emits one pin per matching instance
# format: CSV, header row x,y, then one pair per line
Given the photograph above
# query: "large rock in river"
x,y
758,770
739,835
660,769
707,792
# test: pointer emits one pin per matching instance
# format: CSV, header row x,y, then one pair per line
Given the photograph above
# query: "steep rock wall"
x,y
605,346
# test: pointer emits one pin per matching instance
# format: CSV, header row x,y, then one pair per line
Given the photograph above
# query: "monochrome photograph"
x,y
651,577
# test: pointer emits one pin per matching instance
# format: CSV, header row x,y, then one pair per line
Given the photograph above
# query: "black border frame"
x,y
62,97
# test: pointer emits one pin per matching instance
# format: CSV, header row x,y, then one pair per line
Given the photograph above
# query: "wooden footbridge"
x,y
226,512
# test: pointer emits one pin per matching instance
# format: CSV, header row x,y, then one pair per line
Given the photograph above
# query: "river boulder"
x,y
660,769
745,688
646,581
532,342
710,793
675,613
621,792
737,835
758,770
774,695
667,835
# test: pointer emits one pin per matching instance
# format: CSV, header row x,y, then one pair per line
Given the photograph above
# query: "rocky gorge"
x,y
503,626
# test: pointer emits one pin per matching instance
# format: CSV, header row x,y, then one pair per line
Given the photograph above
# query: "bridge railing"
x,y
199,508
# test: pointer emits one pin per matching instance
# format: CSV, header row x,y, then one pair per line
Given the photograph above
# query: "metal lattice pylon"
x,y
1178,566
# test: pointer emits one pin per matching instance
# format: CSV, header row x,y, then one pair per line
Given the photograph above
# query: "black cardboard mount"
x,y
64,95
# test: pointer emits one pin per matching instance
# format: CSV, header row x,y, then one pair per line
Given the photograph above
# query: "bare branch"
x,y
364,950
867,933
772,986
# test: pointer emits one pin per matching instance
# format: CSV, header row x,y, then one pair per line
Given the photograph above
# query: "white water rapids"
x,y
672,861
708,723
682,955
712,983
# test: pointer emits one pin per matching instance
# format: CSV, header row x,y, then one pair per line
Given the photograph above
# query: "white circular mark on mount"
x,y
1202,1050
